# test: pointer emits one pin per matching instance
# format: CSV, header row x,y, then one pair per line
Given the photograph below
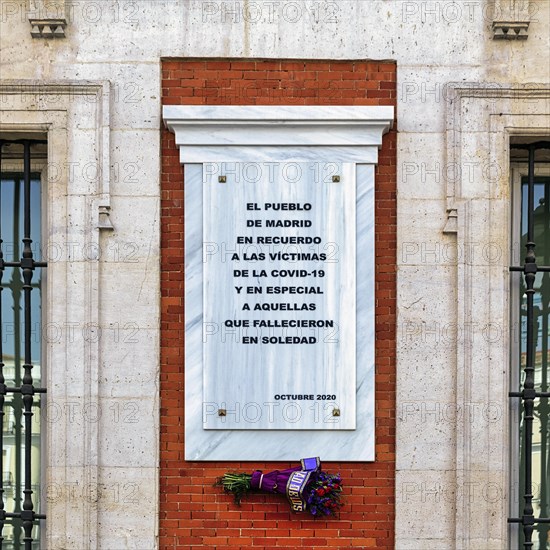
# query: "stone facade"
x,y
90,76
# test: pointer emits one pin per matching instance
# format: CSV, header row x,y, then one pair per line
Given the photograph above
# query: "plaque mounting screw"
x,y
335,179
335,412
222,412
222,179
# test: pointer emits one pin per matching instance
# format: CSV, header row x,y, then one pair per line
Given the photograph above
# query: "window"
x,y
531,301
21,391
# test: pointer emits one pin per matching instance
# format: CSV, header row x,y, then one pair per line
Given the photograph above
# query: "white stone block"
x,y
426,502
132,300
134,90
421,166
128,432
135,164
125,497
129,367
426,435
424,94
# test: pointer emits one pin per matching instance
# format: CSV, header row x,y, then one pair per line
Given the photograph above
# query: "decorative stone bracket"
x,y
47,18
104,220
510,30
511,19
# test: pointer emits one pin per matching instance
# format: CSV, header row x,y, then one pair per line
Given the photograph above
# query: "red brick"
x,y
217,65
268,65
193,514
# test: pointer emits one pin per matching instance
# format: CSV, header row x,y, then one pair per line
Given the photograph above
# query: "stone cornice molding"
x,y
53,95
54,88
207,133
502,99
266,114
457,90
199,125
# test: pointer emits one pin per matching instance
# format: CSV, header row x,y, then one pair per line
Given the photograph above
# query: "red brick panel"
x,y
194,514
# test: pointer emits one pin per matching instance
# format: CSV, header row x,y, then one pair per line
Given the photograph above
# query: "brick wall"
x,y
194,514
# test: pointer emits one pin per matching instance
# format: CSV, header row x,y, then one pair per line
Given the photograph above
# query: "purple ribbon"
x,y
295,488
297,483
291,482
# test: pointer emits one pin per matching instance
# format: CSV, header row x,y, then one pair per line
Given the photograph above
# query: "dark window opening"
x,y
21,391
530,390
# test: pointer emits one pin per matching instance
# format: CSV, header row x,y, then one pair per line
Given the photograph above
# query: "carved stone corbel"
x,y
511,19
104,220
48,18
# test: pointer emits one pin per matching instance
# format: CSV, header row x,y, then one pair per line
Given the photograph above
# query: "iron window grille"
x,y
533,394
19,397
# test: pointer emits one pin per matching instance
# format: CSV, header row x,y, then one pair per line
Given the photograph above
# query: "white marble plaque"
x,y
279,295
220,373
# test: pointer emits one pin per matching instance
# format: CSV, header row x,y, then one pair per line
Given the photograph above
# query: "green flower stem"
x,y
236,484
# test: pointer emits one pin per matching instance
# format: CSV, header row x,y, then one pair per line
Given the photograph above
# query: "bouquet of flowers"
x,y
306,486
324,495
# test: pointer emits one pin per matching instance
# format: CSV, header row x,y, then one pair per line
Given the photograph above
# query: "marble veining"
x,y
202,115
295,153
243,373
279,444
208,155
